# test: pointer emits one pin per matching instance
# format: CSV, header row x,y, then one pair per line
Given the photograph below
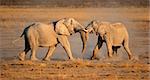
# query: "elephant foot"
x,y
130,57
71,59
46,59
21,56
34,59
93,58
134,59
110,56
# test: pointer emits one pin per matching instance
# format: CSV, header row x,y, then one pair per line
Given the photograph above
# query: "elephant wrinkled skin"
x,y
114,35
49,35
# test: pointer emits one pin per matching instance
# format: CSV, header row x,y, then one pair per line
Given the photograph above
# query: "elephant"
x,y
49,35
113,34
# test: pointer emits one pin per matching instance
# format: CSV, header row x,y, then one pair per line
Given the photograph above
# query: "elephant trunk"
x,y
82,27
79,27
84,38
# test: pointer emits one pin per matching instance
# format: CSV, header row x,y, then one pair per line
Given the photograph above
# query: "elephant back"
x,y
118,33
44,34
61,28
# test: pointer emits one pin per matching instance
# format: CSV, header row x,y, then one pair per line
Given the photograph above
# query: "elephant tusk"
x,y
97,33
85,30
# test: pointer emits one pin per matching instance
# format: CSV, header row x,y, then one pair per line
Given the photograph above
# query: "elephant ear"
x,y
108,28
95,25
61,28
104,27
69,23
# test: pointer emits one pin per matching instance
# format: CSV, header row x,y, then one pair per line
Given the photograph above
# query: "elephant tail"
x,y
25,30
22,34
16,40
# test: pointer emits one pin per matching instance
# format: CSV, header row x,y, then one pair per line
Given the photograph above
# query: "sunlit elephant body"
x,y
114,35
49,35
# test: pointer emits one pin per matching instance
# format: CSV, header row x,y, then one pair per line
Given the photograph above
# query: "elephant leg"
x,y
22,55
126,47
66,45
108,40
33,46
109,48
95,51
33,53
97,48
49,53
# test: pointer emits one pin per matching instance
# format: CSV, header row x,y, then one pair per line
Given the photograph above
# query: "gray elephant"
x,y
49,35
114,35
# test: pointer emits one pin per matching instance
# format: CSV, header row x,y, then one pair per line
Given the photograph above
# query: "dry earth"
x,y
13,21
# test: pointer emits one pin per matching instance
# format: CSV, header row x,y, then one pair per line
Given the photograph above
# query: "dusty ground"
x,y
79,69
13,20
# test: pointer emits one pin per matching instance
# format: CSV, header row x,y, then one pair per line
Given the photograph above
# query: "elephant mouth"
x,y
71,32
92,32
102,37
97,33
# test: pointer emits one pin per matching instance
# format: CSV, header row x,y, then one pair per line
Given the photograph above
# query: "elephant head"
x,y
69,26
100,28
92,26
